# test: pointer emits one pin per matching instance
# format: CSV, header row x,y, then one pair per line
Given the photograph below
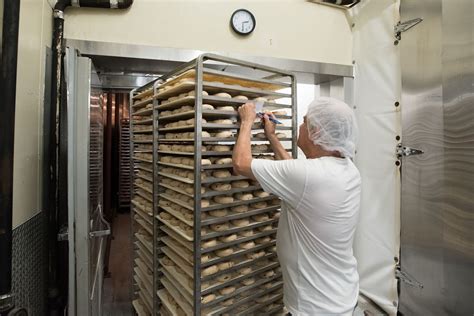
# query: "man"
x,y
320,205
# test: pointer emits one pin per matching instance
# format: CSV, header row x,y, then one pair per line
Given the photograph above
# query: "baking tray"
x,y
173,289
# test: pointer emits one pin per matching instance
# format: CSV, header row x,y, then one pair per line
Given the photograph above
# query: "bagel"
x,y
223,161
221,148
261,217
276,215
228,302
240,222
261,99
240,208
221,174
218,213
279,112
223,95
261,194
207,107
240,184
246,233
275,202
227,238
261,204
224,252
226,108
221,186
208,298
244,196
265,228
263,240
224,277
248,281
209,270
281,135
206,162
222,199
247,245
245,271
204,258
205,203
208,243
268,274
227,290
223,121
224,134
255,255
241,97
225,265
260,135
219,227
167,262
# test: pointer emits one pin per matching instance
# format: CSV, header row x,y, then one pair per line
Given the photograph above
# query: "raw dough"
x,y
240,222
219,227
226,108
244,196
261,99
223,199
221,174
262,204
240,184
261,194
281,135
228,238
206,162
210,270
221,148
225,265
260,217
222,95
223,161
260,135
221,186
224,252
245,271
241,97
208,298
218,213
248,281
224,134
224,277
223,121
227,290
247,245
246,233
208,243
240,208
207,107
263,240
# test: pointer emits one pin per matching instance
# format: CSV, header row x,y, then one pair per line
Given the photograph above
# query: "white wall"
x,y
294,29
34,35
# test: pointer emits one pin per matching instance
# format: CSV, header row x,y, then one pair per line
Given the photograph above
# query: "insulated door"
x,y
87,228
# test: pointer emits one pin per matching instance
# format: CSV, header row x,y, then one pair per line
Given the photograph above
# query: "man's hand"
x,y
268,126
247,113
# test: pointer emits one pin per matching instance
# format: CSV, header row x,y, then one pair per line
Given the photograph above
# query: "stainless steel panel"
x,y
437,212
184,55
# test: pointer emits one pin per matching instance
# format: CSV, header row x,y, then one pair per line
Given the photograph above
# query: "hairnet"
x,y
332,125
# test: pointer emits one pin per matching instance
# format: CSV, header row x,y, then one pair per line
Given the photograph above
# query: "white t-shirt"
x,y
319,213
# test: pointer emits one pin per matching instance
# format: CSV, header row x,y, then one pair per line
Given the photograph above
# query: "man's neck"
x,y
318,152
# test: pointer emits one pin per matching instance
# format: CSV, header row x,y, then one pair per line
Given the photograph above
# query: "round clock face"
x,y
243,22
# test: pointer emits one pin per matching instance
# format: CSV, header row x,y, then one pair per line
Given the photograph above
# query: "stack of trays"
x,y
142,201
230,224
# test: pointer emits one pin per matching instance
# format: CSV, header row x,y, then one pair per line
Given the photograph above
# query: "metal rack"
x,y
192,239
142,200
124,164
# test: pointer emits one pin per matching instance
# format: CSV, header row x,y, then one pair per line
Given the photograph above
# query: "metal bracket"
x,y
405,26
99,233
6,302
404,151
407,278
63,234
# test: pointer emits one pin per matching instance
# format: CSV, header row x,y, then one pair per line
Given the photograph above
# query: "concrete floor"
x,y
117,287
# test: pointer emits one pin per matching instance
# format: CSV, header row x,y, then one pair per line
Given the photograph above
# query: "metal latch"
x,y
405,26
404,151
63,234
407,278
99,233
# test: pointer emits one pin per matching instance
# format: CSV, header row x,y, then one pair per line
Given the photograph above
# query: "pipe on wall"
x,y
8,74
57,197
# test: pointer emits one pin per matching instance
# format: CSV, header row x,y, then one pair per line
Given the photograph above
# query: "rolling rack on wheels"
x,y
214,233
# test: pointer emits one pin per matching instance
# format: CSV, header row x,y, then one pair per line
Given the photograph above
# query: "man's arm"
x,y
242,154
278,149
